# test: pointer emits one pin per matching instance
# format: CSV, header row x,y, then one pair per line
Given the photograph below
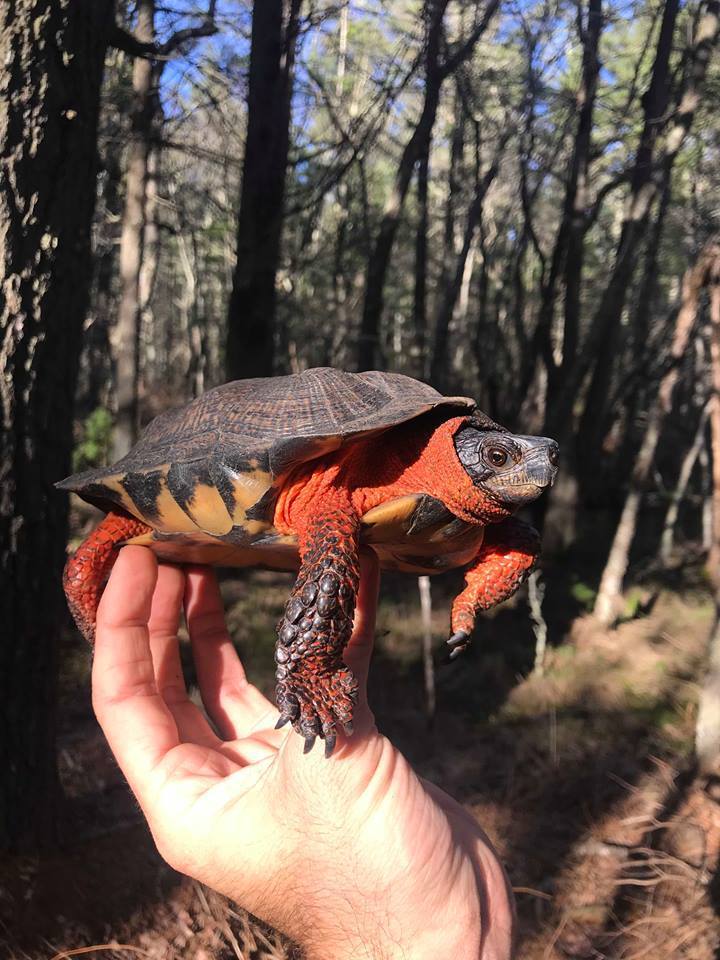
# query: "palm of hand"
x,y
344,855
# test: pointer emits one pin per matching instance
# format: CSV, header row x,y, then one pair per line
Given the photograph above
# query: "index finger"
x,y
360,646
133,715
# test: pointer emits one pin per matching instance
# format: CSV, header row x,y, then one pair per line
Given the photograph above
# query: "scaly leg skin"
x,y
507,556
89,567
315,690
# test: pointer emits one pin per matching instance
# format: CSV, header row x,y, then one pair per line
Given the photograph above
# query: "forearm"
x,y
370,932
458,942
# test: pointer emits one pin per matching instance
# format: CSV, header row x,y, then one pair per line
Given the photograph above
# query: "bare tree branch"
x,y
122,39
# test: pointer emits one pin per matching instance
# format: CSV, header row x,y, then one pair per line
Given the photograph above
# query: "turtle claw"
x,y
284,718
456,645
330,740
309,743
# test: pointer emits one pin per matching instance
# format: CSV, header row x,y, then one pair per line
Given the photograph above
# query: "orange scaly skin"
x,y
89,567
508,554
315,689
322,504
418,458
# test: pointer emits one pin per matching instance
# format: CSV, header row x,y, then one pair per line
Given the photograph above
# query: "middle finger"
x,y
165,649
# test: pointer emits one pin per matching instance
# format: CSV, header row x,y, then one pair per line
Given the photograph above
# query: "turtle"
x,y
300,472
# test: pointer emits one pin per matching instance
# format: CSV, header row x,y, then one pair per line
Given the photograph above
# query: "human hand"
x,y
351,857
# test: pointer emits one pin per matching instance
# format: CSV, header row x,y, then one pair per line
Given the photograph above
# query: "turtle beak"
x,y
541,456
534,473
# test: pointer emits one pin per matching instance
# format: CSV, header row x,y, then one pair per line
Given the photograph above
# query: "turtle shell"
x,y
213,466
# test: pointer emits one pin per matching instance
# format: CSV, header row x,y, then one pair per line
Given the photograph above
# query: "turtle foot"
x,y
316,692
318,704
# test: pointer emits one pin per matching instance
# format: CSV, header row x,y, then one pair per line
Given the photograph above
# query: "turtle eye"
x,y
496,456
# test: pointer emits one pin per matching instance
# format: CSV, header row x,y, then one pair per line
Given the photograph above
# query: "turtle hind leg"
x,y
89,567
315,689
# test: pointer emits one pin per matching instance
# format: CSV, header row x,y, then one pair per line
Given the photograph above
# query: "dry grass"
x,y
577,775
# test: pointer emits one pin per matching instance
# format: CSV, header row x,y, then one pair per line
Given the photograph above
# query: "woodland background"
x,y
517,200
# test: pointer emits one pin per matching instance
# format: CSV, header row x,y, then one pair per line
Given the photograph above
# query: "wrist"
x,y
365,936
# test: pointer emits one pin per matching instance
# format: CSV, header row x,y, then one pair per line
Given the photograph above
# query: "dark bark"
x,y
96,373
635,383
713,564
453,203
53,53
251,314
421,258
436,72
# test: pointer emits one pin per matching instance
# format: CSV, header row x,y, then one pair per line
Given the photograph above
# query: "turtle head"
x,y
512,470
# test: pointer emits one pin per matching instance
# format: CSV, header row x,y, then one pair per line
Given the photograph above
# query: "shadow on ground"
x,y
553,767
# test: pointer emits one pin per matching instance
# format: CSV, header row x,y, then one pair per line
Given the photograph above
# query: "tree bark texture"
x,y
251,314
608,598
52,53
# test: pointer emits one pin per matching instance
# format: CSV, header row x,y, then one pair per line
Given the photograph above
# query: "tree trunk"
x,y
251,314
714,284
576,199
127,329
421,257
707,733
601,407
52,53
96,368
568,256
151,244
379,261
686,469
455,274
646,180
608,598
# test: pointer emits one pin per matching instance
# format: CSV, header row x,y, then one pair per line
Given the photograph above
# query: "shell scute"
x,y
144,490
215,464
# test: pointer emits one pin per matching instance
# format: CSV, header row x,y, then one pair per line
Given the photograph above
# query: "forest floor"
x,y
581,777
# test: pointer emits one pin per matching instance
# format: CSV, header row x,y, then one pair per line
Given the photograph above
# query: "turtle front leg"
x,y
89,567
507,556
315,689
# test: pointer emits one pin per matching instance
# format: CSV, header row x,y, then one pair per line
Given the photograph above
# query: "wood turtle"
x,y
301,471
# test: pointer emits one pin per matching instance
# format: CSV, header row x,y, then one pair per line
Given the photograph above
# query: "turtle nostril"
x,y
554,454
